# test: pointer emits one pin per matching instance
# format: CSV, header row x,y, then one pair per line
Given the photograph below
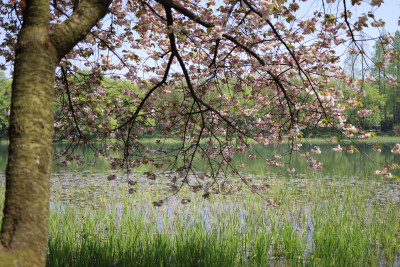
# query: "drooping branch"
x,y
290,51
148,94
194,17
213,62
153,10
70,104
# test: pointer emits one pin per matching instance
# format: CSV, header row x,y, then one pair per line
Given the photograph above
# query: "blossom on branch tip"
x,y
270,202
387,176
279,164
364,112
384,172
381,172
369,78
277,156
376,2
338,148
396,149
252,157
291,170
266,8
377,149
364,136
305,155
64,163
316,150
391,80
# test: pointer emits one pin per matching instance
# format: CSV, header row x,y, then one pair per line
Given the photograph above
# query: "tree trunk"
x,y
24,229
26,210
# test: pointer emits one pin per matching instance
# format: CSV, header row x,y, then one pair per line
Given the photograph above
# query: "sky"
x,y
389,11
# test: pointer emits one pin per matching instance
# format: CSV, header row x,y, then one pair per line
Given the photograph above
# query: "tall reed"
x,y
319,222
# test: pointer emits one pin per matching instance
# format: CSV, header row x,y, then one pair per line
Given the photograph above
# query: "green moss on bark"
x,y
26,210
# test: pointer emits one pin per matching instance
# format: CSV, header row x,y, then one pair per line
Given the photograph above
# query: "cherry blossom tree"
x,y
214,76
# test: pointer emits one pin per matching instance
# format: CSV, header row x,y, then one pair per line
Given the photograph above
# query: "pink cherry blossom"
x,y
64,163
391,80
387,176
381,172
252,157
338,148
305,155
369,78
279,164
291,170
364,112
377,149
316,150
396,149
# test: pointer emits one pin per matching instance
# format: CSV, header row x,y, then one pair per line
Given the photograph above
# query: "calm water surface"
x,y
350,166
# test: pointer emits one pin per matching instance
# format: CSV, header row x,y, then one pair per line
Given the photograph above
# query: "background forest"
x,y
382,96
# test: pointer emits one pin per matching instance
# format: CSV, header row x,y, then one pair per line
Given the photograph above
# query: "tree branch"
x,y
66,35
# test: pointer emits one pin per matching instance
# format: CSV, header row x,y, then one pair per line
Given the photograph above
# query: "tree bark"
x,y
24,229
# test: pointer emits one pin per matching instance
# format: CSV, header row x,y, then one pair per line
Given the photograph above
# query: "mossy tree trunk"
x,y
24,229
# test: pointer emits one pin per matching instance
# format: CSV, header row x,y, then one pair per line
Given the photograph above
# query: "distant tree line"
x,y
381,84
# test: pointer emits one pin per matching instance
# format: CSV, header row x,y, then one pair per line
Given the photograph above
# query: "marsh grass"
x,y
320,222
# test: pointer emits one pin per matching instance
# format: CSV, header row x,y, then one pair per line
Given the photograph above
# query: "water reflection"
x,y
75,180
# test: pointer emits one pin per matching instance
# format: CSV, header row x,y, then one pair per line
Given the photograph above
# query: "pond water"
x,y
72,181
356,165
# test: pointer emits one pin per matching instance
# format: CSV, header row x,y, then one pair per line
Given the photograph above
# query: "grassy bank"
x,y
319,222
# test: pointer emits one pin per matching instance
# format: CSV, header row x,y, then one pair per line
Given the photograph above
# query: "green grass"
x,y
320,222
